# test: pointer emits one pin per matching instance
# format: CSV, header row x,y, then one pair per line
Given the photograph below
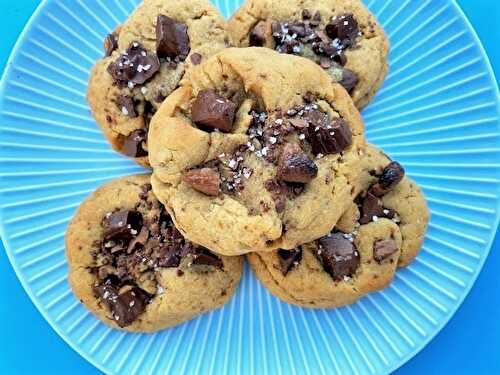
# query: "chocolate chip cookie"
x,y
339,35
133,269
145,59
383,229
256,151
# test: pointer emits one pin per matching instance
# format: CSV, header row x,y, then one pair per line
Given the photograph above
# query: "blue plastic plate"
x,y
438,113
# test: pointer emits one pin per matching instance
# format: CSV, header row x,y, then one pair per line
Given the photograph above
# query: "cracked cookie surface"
x,y
256,151
341,36
132,269
146,58
358,256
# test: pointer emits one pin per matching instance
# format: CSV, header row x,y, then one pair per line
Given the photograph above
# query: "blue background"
x,y
470,343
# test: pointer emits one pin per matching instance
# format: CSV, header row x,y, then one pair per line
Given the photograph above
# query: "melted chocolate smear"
x,y
288,259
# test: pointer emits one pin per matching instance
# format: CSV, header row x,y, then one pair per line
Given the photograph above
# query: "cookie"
x,y
362,252
341,36
133,270
145,60
256,151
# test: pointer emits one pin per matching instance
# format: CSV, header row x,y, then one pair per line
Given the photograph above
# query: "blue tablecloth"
x,y
469,344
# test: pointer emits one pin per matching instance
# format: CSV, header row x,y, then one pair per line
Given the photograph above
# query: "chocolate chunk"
x,y
325,62
203,257
329,139
205,180
343,27
340,58
338,256
349,80
134,67
370,207
139,241
258,34
119,225
196,58
306,14
295,166
213,111
133,144
111,43
125,307
288,259
384,249
172,39
390,177
126,105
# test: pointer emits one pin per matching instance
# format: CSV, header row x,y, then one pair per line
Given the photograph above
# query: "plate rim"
x,y
403,360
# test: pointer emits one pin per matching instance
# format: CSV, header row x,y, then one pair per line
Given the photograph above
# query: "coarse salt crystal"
x,y
302,136
375,218
273,140
144,90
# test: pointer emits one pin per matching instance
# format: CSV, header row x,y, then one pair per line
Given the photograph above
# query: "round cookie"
x,y
145,60
256,151
341,36
362,252
133,270
404,203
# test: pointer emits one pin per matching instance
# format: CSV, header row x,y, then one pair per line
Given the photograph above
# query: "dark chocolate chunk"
x,y
172,38
306,14
125,307
295,166
288,259
196,58
203,257
205,180
126,105
325,62
316,20
111,43
370,207
384,249
345,28
133,144
349,80
330,139
338,256
135,66
121,224
390,177
213,111
259,34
